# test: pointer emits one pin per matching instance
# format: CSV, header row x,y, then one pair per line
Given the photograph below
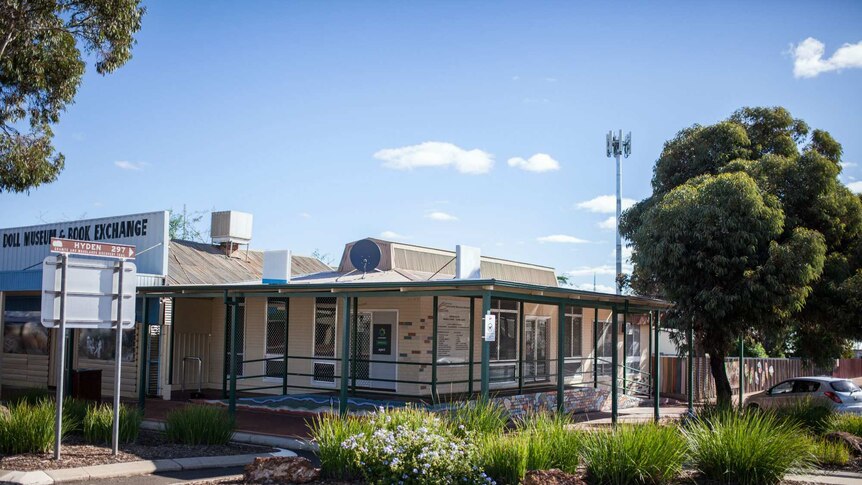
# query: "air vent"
x,y
231,227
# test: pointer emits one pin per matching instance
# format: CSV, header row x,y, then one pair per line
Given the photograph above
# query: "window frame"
x,y
266,353
331,360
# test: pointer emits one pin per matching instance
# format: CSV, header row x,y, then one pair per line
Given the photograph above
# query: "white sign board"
x,y
453,330
91,293
490,327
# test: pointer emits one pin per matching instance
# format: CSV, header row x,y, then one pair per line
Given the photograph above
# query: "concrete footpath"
x,y
830,477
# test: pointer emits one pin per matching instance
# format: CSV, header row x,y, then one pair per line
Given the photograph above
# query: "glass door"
x,y
536,349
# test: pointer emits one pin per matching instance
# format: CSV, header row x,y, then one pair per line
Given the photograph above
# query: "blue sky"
x,y
300,112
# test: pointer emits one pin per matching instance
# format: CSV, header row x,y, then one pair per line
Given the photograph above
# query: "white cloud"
x,y
808,58
551,79
845,165
436,154
441,216
605,269
304,215
393,235
127,165
855,187
598,288
561,238
604,204
609,223
540,162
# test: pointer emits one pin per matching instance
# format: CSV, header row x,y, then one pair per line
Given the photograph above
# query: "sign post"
x,y
58,419
86,292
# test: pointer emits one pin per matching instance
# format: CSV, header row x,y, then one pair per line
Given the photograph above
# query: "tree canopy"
x,y
750,233
42,48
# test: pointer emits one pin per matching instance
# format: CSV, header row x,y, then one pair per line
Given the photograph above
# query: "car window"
x,y
783,388
805,386
845,386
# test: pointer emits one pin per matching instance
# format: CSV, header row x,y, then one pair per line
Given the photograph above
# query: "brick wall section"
x,y
577,400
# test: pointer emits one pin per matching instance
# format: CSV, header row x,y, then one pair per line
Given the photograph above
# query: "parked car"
x,y
842,394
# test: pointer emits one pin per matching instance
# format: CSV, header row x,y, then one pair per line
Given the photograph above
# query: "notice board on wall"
x,y
453,330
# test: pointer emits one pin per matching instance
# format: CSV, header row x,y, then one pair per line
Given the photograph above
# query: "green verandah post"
x,y
231,408
486,347
657,369
171,347
227,335
434,352
345,354
615,326
741,371
561,323
472,345
522,337
145,355
286,344
625,330
355,351
596,349
649,353
690,369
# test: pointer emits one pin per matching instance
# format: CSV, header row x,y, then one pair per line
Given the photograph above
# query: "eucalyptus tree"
x,y
749,231
43,44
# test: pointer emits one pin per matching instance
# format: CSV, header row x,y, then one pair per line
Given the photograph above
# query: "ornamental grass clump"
x,y
551,442
748,448
411,446
329,431
504,457
849,423
478,417
29,427
637,454
830,454
812,415
199,425
98,424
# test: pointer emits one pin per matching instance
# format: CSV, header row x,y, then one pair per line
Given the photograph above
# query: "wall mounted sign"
x,y
382,339
453,330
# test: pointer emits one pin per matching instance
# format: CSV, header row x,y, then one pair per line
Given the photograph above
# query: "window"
x,y
324,340
505,347
633,347
605,350
783,388
844,386
324,327
276,333
240,338
572,333
23,332
805,386
101,344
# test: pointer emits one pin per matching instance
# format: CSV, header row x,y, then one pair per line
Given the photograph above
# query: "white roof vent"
x,y
231,227
276,267
468,263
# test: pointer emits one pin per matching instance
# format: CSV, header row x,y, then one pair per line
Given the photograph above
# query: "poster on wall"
x,y
453,330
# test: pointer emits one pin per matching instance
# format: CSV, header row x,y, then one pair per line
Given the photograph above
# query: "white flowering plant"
x,y
410,446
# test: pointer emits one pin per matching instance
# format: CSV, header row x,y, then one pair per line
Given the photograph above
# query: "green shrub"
x,y
830,454
479,417
29,427
504,458
412,446
849,423
646,453
199,425
330,431
814,416
552,444
98,424
748,448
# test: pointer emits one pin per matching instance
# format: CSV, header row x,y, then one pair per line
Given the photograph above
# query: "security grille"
x,y
276,332
240,338
324,338
361,348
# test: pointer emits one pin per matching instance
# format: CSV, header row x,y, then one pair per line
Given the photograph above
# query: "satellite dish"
x,y
365,255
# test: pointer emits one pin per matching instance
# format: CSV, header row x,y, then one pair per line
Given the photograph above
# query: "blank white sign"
x,y
91,293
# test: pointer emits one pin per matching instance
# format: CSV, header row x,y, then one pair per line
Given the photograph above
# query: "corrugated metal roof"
x,y
410,258
194,263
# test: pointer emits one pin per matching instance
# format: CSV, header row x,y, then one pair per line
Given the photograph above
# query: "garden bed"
x,y
150,445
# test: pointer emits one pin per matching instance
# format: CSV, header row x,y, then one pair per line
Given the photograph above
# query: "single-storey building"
x,y
393,321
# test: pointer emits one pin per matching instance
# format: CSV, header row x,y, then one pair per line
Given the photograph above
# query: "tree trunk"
x,y
723,392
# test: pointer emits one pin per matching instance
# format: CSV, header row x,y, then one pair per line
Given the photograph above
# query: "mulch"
x,y
151,445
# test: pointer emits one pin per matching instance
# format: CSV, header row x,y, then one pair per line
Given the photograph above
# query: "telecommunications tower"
x,y
619,147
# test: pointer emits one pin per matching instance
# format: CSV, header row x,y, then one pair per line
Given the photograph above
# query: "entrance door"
x,y
536,349
375,350
240,340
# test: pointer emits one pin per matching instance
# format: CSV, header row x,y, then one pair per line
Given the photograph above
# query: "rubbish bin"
x,y
87,384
